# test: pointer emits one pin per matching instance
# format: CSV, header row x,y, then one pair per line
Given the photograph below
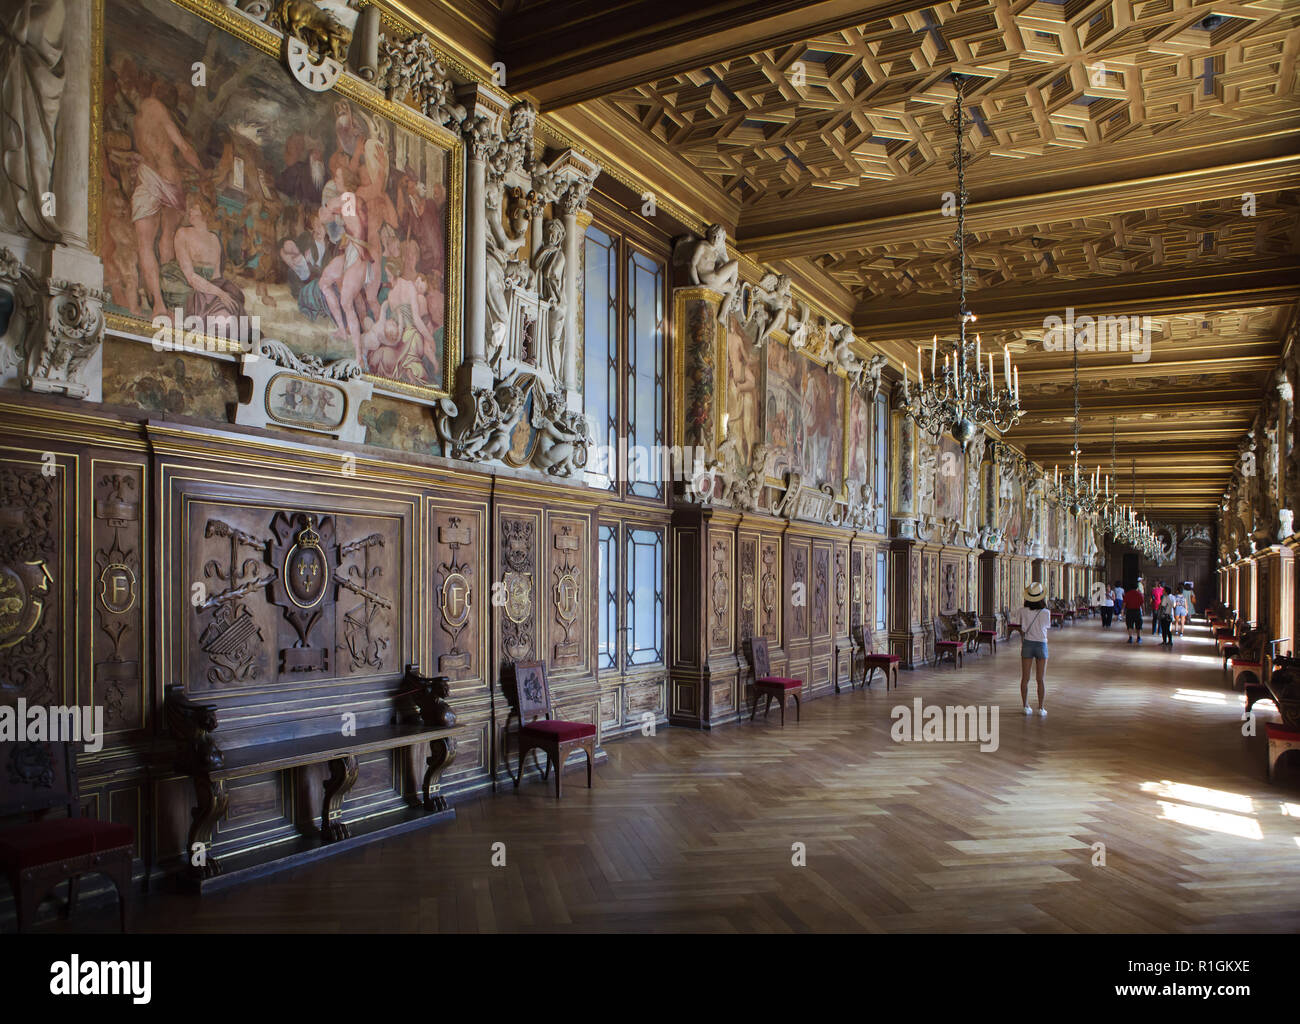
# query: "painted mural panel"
x,y
859,440
744,389
949,483
783,429
246,196
823,419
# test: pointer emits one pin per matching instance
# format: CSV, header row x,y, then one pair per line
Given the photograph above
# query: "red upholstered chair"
x,y
530,699
1248,660
946,644
38,855
887,663
768,685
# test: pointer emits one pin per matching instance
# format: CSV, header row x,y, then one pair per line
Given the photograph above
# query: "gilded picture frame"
x,y
350,88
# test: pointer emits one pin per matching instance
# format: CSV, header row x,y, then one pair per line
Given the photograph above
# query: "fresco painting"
x,y
249,196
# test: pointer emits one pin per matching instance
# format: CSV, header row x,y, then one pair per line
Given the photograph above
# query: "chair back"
x,y
525,686
756,655
37,775
1251,645
859,637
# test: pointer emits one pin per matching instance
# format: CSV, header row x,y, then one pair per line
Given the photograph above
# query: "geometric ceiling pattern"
x,y
1110,143
1185,236
867,104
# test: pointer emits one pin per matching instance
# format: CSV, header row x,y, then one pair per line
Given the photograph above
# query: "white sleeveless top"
x,y
1035,623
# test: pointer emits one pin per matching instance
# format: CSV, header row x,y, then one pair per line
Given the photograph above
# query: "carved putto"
x,y
772,300
563,437
409,71
493,416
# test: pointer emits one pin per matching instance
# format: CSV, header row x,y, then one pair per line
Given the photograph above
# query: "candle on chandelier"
x,y
934,347
990,376
1015,380
1006,365
905,393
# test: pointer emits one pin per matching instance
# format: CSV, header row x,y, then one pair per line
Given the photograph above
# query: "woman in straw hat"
x,y
1035,618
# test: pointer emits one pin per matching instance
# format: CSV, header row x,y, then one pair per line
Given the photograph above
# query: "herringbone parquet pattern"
x,y
1142,751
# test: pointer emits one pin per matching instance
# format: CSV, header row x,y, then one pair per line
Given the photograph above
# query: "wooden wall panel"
x,y
457,593
721,586
118,638
568,596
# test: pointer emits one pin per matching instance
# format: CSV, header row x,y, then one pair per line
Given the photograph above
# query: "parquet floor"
x,y
1141,751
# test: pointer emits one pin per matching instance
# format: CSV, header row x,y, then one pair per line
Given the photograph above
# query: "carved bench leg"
x,y
441,753
343,776
213,801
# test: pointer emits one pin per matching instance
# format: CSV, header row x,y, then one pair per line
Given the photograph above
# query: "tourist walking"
x,y
1034,619
1180,610
1157,592
1165,614
1133,612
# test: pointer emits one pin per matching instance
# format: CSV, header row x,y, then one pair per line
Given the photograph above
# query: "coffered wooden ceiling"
x,y
1111,144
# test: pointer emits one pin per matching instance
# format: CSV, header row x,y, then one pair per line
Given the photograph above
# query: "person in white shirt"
x,y
1035,619
1165,614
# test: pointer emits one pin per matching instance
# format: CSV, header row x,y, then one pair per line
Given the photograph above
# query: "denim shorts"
x,y
1033,649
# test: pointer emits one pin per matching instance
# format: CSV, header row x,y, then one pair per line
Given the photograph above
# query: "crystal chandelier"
x,y
1082,495
961,398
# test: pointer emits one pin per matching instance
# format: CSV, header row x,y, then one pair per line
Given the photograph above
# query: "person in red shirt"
x,y
1157,592
1133,613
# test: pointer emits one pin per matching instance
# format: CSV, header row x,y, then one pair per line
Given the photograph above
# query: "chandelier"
x,y
1082,495
961,398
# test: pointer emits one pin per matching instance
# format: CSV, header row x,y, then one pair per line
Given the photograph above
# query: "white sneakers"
x,y
1042,712
1028,710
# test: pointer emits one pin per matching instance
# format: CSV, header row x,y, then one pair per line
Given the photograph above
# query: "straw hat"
x,y
1034,592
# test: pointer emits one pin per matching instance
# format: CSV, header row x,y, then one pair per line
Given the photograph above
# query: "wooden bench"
x,y
421,714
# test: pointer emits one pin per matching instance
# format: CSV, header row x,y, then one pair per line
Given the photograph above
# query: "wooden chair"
x,y
946,645
987,636
530,699
38,855
1012,627
1249,660
887,663
767,684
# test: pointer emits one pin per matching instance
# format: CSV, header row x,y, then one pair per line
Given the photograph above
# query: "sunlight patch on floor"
x,y
1212,821
1187,793
1207,697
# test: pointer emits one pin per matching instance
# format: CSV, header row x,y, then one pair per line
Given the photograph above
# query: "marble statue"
x,y
32,77
707,264
549,267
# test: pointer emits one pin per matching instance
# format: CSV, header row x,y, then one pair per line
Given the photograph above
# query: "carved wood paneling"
x,y
570,593
799,594
770,587
457,557
747,587
34,560
277,595
117,641
517,572
719,577
820,588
